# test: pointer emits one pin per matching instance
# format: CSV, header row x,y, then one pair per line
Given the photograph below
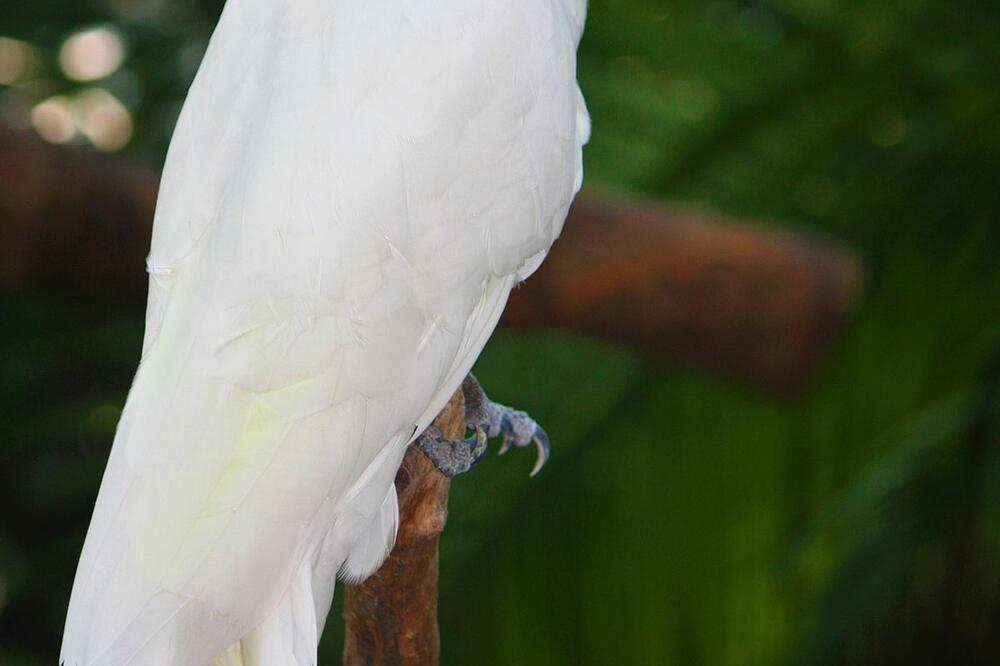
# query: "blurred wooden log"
x,y
750,303
73,222
743,301
391,618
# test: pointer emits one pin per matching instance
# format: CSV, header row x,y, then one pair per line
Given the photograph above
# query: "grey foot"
x,y
452,457
486,419
516,427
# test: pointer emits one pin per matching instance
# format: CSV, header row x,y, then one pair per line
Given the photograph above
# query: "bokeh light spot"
x,y
53,120
103,119
890,133
17,60
92,54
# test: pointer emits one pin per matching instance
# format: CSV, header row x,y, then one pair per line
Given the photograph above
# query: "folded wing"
x,y
351,193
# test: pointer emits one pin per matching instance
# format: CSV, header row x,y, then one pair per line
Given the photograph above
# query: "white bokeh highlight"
x,y
92,54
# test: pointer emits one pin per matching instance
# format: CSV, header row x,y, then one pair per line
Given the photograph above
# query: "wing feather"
x,y
351,193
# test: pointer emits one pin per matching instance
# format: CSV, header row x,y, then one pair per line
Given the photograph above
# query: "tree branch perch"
x,y
391,619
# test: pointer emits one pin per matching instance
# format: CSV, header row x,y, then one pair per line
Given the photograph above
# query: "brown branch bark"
x,y
742,301
73,222
391,618
745,302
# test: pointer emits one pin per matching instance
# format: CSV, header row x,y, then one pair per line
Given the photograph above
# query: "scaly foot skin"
x,y
452,457
487,420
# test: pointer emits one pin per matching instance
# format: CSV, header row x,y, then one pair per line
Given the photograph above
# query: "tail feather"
x,y
371,550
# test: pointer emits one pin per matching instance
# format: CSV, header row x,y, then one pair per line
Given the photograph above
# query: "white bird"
x,y
352,191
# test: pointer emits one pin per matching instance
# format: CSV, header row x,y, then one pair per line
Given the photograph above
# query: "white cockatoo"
x,y
352,191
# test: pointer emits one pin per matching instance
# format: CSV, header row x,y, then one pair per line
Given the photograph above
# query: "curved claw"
x,y
477,443
489,419
541,440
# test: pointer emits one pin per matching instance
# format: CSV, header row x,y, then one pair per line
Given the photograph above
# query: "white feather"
x,y
351,193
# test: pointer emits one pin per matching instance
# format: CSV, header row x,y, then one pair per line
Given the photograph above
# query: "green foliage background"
x,y
682,519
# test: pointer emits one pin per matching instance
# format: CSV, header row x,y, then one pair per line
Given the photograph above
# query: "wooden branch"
x,y
745,302
73,222
391,619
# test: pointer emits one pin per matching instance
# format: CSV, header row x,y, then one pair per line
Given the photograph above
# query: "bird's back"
x,y
351,192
